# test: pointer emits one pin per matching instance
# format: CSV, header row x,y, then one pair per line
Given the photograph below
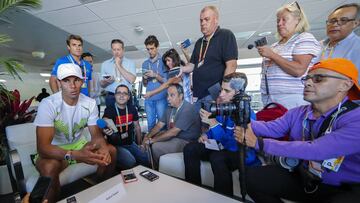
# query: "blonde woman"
x,y
287,60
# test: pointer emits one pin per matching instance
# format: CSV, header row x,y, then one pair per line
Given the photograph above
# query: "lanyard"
x,y
324,50
173,115
83,67
119,118
157,70
201,55
328,129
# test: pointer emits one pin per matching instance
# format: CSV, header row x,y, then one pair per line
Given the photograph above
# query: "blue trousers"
x,y
155,109
129,156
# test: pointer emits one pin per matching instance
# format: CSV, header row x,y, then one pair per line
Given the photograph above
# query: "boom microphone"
x,y
250,46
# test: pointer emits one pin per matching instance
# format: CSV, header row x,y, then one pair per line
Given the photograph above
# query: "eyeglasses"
x,y
121,93
341,21
317,78
295,3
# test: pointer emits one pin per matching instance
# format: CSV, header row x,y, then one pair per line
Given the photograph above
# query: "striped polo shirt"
x,y
279,81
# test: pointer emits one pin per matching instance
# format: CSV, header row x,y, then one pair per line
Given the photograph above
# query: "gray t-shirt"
x,y
187,119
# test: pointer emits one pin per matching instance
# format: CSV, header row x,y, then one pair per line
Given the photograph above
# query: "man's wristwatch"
x,y
68,156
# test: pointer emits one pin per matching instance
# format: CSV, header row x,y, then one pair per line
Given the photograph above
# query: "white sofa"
x,y
22,143
173,165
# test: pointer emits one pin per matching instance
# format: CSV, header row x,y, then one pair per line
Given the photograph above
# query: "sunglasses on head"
x,y
317,78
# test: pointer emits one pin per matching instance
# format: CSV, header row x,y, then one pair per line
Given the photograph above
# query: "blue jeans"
x,y
129,156
155,109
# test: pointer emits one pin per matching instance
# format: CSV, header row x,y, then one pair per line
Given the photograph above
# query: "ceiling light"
x,y
2,80
139,29
45,74
249,61
38,54
263,34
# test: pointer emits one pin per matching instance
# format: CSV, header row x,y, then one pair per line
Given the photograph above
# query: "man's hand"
x,y
150,74
109,80
105,152
118,61
90,155
146,141
203,138
250,137
181,71
204,115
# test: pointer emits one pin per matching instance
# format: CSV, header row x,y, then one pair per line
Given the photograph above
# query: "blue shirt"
x,y
108,67
343,140
84,65
348,48
158,67
223,132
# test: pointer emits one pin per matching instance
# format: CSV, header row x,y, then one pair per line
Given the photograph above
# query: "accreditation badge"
x,y
200,63
333,164
315,168
124,135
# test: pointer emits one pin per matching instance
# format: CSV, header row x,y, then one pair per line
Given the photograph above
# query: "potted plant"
x,y
11,110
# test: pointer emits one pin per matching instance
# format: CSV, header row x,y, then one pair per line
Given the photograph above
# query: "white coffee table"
x,y
164,190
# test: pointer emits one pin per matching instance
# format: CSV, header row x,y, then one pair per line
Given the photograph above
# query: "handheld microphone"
x,y
104,124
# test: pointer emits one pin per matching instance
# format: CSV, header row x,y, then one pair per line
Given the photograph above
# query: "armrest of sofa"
x,y
14,167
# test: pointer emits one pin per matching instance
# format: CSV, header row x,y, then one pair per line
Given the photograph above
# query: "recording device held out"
x,y
258,43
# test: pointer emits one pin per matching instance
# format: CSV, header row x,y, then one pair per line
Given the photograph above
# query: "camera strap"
x,y
327,123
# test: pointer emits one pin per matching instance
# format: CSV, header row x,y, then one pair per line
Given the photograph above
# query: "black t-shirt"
x,y
110,112
222,48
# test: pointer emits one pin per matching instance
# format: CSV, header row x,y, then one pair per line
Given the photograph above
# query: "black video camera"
x,y
261,42
238,109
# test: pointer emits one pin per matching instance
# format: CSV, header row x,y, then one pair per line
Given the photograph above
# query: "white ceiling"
x,y
171,21
98,22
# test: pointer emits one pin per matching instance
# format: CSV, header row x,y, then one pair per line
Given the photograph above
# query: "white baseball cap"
x,y
68,69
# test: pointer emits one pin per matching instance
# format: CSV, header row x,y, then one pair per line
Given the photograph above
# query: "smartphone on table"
x,y
149,175
40,190
128,176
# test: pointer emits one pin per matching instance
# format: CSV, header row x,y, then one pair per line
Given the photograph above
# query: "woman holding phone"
x,y
172,60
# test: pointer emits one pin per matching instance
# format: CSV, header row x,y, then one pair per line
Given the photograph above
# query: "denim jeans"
x,y
155,109
129,156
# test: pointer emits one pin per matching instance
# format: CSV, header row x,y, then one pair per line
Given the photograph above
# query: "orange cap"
x,y
344,67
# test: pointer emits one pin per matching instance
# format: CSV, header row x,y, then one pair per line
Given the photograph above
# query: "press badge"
x,y
333,164
124,135
315,168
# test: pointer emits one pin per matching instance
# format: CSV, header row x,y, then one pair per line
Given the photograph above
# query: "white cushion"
x,y
173,165
22,137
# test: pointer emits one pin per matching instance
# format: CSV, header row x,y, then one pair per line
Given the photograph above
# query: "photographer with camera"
x,y
226,160
287,60
325,135
172,62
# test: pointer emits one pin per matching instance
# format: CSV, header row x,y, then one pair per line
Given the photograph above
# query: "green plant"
x,y
16,112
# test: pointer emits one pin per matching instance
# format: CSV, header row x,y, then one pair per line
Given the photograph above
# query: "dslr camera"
x,y
238,109
288,163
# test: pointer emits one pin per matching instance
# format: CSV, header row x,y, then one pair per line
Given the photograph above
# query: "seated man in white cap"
x,y
60,121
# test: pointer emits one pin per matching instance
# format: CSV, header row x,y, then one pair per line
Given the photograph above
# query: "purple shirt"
x,y
344,140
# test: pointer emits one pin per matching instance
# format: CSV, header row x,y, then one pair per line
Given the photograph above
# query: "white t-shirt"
x,y
69,121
